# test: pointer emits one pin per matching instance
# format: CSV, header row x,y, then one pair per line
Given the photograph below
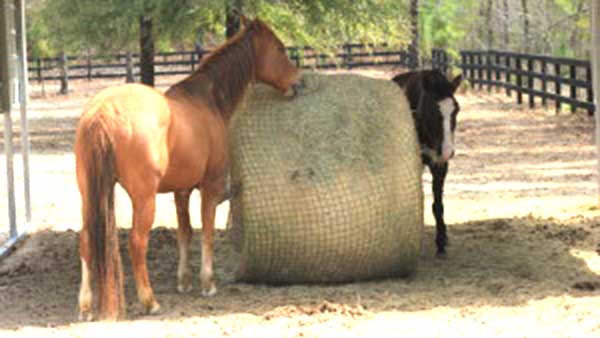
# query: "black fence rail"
x,y
440,60
112,66
123,66
562,80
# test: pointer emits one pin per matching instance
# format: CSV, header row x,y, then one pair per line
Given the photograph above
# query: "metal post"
x,y
595,59
23,98
13,91
8,91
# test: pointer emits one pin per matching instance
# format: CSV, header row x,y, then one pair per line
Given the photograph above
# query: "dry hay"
x,y
329,182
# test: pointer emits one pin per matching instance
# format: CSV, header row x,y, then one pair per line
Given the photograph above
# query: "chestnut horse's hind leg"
x,y
143,217
184,236
212,195
85,292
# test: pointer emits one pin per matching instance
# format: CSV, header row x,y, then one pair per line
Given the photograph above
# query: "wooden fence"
x,y
562,80
180,63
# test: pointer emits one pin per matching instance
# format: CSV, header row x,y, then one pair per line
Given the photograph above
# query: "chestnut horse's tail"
x,y
99,175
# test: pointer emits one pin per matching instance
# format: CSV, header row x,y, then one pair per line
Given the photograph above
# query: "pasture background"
x,y
523,230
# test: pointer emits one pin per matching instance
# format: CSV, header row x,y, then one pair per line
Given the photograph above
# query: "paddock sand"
x,y
523,226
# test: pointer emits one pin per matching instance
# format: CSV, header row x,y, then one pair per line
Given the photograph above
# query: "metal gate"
x,y
16,209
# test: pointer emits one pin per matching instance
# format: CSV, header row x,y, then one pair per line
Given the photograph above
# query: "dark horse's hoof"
x,y
441,255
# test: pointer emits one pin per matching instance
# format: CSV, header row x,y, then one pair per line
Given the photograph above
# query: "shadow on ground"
x,y
501,262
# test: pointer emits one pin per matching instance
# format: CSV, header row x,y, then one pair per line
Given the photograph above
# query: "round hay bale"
x,y
328,183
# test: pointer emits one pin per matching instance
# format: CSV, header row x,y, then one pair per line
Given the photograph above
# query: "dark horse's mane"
x,y
230,69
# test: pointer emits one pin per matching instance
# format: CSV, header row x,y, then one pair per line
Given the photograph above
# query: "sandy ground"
x,y
523,226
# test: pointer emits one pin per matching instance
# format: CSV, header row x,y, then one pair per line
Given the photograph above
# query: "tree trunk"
x,y
146,51
413,49
505,24
64,73
526,40
595,60
232,17
490,32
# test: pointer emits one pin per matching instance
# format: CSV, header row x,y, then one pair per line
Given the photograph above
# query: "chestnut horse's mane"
x,y
230,69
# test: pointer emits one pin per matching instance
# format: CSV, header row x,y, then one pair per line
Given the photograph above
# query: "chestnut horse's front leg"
x,y
212,195
184,237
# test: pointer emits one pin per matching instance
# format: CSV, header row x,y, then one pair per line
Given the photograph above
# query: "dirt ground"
x,y
523,226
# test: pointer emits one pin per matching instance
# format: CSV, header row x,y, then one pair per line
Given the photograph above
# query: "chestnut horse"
x,y
150,143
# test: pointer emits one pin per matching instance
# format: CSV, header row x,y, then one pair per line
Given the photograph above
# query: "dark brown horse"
x,y
434,108
150,143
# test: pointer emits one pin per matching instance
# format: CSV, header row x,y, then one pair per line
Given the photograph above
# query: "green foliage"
x,y
113,25
330,22
559,27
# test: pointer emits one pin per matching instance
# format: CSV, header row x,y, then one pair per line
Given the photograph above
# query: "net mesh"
x,y
329,183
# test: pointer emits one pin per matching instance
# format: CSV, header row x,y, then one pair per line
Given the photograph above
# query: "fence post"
x,y
530,79
348,58
89,67
446,61
519,80
480,70
295,56
573,89
488,69
64,74
473,69
463,65
557,86
193,61
129,68
508,74
39,69
497,73
590,91
544,82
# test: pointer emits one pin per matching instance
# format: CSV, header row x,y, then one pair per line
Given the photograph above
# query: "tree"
x,y
525,24
505,24
490,31
232,22
113,25
413,48
146,50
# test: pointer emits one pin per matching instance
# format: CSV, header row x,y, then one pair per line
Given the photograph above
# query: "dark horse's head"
x,y
434,108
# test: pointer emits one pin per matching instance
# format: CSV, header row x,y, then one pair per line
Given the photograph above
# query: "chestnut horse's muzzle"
x,y
295,89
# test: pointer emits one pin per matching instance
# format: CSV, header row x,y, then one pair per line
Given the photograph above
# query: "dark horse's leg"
x,y
438,172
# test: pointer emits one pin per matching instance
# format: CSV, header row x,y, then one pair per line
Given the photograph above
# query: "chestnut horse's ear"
x,y
244,22
456,82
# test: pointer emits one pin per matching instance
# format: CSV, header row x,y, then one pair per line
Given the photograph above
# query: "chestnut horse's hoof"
x,y
181,288
153,309
184,283
85,316
209,292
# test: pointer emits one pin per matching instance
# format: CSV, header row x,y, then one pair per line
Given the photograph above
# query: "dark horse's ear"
x,y
427,81
456,82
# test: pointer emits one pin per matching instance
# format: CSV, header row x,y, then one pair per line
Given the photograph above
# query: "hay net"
x,y
329,183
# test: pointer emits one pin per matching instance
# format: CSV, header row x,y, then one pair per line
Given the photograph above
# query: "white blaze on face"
x,y
447,107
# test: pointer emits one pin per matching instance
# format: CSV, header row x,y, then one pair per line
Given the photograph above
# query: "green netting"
x,y
329,182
